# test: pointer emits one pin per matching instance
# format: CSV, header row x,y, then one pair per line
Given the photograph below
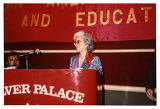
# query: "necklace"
x,y
80,61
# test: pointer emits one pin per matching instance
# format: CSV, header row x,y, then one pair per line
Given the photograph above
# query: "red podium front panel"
x,y
50,87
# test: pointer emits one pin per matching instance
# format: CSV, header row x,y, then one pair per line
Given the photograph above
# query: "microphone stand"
x,y
37,51
27,64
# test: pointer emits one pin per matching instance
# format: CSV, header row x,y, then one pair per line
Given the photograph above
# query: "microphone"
x,y
35,52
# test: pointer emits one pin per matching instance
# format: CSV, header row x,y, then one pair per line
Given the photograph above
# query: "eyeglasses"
x,y
77,42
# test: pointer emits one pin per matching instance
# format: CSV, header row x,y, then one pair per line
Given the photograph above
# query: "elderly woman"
x,y
85,59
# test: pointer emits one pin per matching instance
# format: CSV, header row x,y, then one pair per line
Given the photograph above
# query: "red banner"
x,y
52,87
58,22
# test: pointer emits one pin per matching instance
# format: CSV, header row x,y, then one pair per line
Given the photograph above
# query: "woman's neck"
x,y
83,54
82,57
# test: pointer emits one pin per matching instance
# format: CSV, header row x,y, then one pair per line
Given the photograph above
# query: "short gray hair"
x,y
87,39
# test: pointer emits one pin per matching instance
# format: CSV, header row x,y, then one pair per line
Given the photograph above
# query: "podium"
x,y
50,87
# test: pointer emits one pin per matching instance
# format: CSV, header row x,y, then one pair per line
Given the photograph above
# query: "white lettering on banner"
x,y
43,90
16,89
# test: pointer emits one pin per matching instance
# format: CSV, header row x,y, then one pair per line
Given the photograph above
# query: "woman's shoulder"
x,y
75,56
95,57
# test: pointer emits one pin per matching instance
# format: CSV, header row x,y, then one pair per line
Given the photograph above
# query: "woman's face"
x,y
80,45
